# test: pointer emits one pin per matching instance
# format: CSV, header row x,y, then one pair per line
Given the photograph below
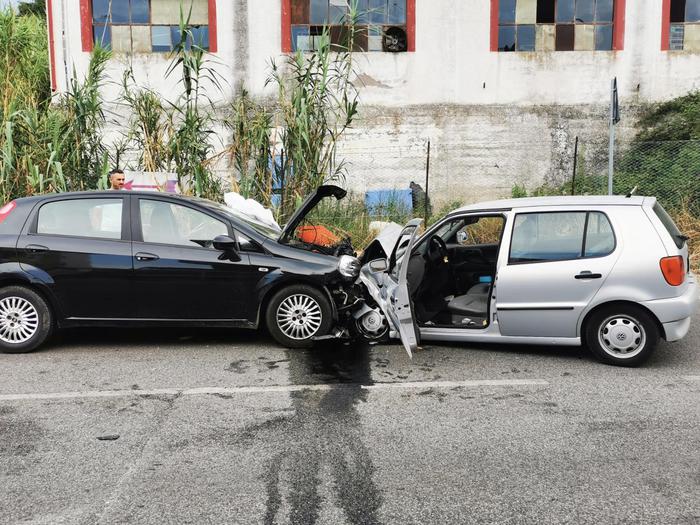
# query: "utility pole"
x,y
614,119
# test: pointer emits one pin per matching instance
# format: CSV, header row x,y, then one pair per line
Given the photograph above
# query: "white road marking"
x,y
269,389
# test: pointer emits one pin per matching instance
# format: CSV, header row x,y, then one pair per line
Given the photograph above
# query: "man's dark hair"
x,y
117,170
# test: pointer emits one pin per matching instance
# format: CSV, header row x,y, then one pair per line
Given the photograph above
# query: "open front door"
x,y
399,305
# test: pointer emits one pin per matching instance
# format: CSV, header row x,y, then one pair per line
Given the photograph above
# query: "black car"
x,y
147,259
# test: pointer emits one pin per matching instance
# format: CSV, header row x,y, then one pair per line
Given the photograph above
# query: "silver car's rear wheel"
x,y
622,336
299,316
19,320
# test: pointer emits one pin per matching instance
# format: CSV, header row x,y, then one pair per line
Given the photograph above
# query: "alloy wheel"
x,y
19,320
299,316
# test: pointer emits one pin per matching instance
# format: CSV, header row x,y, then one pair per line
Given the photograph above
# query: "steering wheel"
x,y
437,250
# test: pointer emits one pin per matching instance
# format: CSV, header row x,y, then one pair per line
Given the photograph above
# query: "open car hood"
x,y
309,204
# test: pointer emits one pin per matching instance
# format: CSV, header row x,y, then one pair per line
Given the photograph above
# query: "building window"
x,y
684,33
556,25
381,24
144,26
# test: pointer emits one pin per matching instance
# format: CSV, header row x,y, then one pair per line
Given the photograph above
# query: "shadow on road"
x,y
323,435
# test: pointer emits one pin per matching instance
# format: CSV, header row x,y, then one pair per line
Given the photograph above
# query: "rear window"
x,y
98,218
670,226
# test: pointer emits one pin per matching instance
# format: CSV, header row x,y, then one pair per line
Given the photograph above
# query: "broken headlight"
x,y
349,266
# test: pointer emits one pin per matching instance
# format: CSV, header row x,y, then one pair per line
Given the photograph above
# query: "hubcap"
x,y
299,316
622,336
19,320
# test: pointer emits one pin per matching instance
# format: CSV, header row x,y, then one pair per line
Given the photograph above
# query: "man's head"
x,y
116,179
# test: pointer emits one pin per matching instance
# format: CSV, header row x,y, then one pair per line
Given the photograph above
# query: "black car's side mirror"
x,y
226,244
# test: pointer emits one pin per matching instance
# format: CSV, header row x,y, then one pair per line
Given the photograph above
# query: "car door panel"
x,y
90,277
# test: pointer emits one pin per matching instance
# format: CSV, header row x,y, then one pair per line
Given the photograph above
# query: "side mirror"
x,y
379,265
226,244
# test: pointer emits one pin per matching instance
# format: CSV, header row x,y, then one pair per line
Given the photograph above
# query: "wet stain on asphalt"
x,y
18,438
322,434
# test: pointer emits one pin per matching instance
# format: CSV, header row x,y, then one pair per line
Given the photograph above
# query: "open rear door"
x,y
399,305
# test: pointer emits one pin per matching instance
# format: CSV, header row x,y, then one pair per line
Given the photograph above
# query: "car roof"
x,y
564,200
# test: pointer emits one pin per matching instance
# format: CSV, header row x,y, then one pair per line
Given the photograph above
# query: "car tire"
x,y
25,320
621,335
296,314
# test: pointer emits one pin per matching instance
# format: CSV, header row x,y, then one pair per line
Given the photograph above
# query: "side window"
x,y
246,244
168,223
600,239
547,236
101,218
485,230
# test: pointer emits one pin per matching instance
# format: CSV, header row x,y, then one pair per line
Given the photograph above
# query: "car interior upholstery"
x,y
451,273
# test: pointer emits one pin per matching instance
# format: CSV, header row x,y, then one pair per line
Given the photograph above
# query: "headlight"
x,y
349,266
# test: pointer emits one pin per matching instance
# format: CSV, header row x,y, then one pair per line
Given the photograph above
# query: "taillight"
x,y
6,210
673,269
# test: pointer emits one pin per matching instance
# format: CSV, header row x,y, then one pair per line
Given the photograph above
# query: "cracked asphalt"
x,y
225,427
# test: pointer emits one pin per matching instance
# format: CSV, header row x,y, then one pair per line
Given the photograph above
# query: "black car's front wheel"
x,y
25,320
297,314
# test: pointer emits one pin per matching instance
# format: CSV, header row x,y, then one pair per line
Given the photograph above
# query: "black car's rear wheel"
x,y
25,320
297,314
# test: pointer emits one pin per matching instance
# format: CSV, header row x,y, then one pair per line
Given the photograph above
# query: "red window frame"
x,y
287,25
86,26
618,25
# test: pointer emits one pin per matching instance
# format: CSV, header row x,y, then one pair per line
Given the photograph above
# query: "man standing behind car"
x,y
116,179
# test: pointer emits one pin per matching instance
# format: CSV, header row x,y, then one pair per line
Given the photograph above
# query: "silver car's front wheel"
x,y
621,334
299,316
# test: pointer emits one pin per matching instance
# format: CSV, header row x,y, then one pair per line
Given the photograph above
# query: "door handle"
x,y
36,248
588,275
142,256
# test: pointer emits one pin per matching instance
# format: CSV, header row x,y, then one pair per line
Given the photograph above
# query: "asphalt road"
x,y
225,427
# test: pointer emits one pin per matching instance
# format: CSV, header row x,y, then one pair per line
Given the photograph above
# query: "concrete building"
x,y
500,87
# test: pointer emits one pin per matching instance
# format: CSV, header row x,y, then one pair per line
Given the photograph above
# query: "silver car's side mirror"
x,y
462,237
379,265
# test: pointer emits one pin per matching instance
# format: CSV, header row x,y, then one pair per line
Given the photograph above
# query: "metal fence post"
x,y
614,119
573,178
427,180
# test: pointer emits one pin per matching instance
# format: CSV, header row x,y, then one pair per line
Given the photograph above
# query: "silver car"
x,y
611,273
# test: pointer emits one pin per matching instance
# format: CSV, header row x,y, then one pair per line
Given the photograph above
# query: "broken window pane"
x,y
506,12
604,38
604,11
692,11
140,12
319,12
377,11
585,11
565,37
100,11
677,11
120,12
103,36
506,38
545,11
565,10
300,12
677,36
397,12
161,39
526,37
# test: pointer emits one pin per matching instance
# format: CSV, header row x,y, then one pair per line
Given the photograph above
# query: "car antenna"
x,y
632,192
